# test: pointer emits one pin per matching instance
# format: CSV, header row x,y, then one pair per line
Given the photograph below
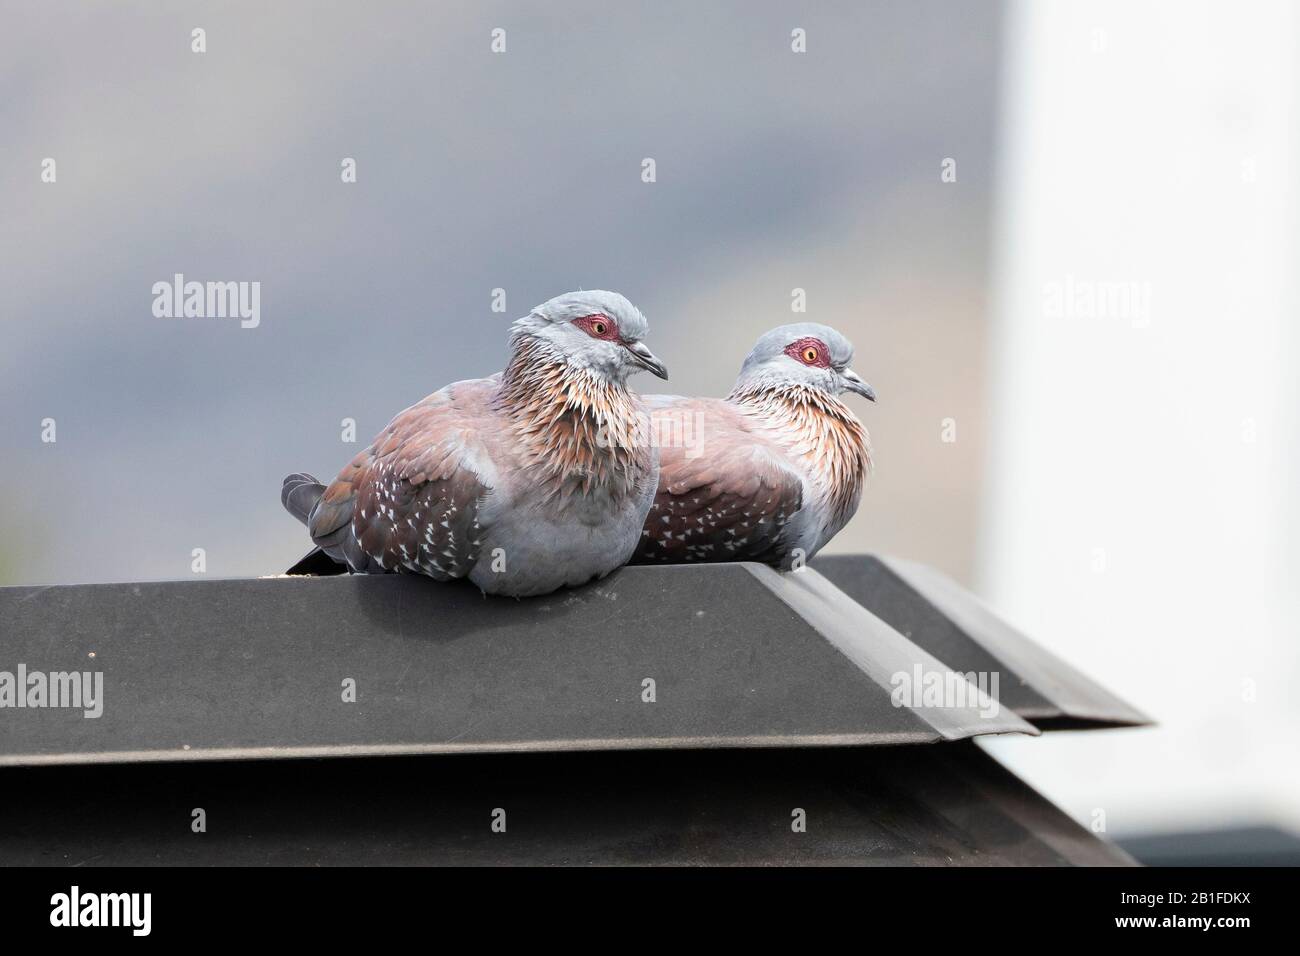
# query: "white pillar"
x,y
1142,496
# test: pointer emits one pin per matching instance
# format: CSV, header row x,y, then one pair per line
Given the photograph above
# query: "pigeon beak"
x,y
854,383
646,359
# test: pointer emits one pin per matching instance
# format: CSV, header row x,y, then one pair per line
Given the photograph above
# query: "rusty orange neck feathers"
x,y
577,428
818,428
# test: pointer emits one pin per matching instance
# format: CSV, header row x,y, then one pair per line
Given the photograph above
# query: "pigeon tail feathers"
x,y
299,495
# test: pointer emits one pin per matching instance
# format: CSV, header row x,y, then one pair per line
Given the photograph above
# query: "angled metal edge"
x,y
1083,703
882,653
875,586
346,751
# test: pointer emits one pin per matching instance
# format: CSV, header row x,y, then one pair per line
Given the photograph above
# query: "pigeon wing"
x,y
414,499
726,495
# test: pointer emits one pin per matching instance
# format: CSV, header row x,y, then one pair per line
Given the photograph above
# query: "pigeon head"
x,y
599,332
805,353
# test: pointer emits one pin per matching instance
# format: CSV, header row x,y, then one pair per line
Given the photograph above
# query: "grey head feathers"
x,y
802,353
594,330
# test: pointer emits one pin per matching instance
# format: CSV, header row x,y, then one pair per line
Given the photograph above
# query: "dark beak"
x,y
646,359
855,384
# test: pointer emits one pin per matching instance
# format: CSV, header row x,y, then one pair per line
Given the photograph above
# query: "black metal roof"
x,y
946,805
740,656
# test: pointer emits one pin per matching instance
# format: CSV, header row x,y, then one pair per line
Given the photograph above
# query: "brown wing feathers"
x,y
409,501
729,503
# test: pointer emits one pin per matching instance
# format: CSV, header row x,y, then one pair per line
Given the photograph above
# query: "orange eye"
x,y
810,355
599,327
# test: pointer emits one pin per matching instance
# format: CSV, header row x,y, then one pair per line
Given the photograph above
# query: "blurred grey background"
x,y
475,171
1122,483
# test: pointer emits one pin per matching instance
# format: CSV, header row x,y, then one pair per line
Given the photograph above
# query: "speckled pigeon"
x,y
512,481
770,473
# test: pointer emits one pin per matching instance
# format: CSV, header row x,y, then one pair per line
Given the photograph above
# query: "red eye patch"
x,y
810,351
598,327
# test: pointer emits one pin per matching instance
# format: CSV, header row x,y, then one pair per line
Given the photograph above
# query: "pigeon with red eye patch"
x,y
770,473
511,481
